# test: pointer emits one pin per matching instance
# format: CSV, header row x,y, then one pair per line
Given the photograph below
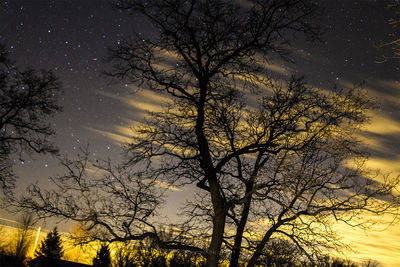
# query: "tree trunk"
x,y
240,229
218,225
206,164
261,245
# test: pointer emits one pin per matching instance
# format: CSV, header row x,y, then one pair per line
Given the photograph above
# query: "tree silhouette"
x,y
120,204
27,99
50,248
216,47
270,159
280,253
102,258
23,239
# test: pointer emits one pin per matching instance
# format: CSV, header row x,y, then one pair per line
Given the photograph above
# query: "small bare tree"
x,y
280,253
111,203
23,239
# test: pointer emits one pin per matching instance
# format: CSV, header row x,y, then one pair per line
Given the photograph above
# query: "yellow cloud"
x,y
168,186
92,170
143,99
387,165
117,138
390,84
382,124
372,143
276,68
381,91
381,243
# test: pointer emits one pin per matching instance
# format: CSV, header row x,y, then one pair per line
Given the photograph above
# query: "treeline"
x,y
50,251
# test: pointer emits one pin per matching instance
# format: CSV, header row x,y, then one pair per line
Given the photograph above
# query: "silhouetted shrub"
x,y
9,260
185,259
158,261
280,253
125,256
334,262
102,258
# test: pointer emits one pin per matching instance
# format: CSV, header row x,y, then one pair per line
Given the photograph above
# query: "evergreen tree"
x,y
103,257
51,247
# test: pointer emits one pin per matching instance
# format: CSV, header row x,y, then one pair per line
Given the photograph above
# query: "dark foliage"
x,y
50,247
185,259
280,253
139,256
10,260
103,257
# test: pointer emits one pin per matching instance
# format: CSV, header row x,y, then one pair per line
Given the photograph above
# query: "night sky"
x,y
71,38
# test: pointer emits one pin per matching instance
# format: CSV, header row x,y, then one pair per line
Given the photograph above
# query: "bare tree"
x,y
111,203
268,157
23,239
205,47
27,99
209,56
370,263
280,253
286,176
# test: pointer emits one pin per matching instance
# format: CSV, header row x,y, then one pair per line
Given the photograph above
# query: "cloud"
x,y
276,68
387,165
382,124
142,99
168,186
380,243
138,105
92,170
117,138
